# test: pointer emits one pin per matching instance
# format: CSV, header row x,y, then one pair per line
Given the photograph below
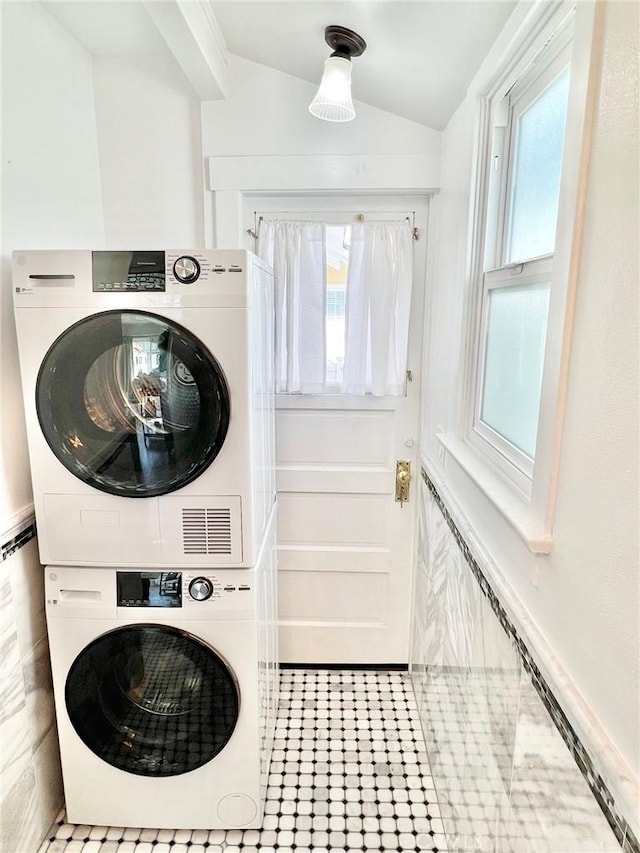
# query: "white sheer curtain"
x,y
296,251
378,300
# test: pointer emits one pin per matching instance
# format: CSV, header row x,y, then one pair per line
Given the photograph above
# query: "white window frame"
x,y
556,57
524,491
515,465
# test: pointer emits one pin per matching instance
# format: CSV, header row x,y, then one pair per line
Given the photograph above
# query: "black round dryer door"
x,y
132,403
152,700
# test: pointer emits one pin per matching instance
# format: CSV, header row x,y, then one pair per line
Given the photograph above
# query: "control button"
x,y
229,588
200,589
186,270
244,586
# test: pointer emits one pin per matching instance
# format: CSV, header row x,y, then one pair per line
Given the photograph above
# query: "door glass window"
x,y
132,403
343,297
152,700
337,264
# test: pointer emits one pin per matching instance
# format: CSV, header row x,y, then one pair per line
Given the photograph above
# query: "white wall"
x,y
51,193
266,113
585,603
148,119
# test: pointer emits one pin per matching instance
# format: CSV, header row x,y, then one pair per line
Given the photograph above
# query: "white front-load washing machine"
x,y
148,392
165,687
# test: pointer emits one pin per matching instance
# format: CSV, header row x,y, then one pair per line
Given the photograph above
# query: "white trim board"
x,y
403,174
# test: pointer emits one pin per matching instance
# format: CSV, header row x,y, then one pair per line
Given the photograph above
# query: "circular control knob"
x,y
200,589
186,269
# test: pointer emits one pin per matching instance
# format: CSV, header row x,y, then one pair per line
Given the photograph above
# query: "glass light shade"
x,y
333,100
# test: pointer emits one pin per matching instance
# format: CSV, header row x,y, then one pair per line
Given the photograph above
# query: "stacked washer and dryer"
x,y
148,391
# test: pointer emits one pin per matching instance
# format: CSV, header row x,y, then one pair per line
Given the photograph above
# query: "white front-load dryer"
x,y
148,391
165,691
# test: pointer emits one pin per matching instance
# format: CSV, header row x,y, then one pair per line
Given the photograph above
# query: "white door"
x,y
345,546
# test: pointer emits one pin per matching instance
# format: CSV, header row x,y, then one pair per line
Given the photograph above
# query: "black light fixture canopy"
x,y
344,42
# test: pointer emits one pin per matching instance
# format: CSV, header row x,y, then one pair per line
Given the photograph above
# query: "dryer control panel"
x,y
148,278
123,272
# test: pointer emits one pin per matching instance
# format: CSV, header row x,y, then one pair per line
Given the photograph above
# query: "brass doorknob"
x,y
403,478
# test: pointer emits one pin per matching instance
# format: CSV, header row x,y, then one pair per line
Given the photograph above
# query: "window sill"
x,y
505,498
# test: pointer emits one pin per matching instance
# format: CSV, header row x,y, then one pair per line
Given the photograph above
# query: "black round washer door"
x,y
152,700
132,404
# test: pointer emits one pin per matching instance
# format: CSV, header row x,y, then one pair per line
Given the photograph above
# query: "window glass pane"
x,y
337,269
536,176
515,340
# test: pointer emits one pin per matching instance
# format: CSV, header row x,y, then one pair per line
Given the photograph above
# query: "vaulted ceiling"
x,y
420,57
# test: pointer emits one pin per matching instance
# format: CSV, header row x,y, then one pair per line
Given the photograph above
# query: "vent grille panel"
x,y
206,530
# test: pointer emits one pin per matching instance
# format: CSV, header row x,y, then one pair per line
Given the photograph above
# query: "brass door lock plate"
x,y
403,479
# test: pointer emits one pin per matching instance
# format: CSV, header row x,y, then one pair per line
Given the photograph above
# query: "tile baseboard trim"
x,y
601,792
15,522
17,531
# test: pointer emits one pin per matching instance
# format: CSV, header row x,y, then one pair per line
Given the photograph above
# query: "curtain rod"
x,y
359,217
355,214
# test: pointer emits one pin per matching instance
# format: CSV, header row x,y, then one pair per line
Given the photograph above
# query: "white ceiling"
x,y
107,28
421,54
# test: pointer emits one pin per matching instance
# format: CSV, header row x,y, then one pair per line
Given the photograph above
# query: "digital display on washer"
x,y
122,272
149,589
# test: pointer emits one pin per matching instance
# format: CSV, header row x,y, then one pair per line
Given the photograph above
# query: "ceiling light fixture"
x,y
333,100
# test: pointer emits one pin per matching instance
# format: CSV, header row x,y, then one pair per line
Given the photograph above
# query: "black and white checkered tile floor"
x,y
349,773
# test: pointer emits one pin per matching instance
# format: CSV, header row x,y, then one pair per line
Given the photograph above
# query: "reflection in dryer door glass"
x,y
152,700
132,403
140,385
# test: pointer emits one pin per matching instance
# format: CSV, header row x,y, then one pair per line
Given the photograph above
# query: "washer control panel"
x,y
221,588
174,589
131,595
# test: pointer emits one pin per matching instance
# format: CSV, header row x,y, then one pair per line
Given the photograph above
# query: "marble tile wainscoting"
x,y
30,761
510,772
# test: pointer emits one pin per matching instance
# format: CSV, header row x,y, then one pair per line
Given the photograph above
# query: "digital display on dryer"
x,y
149,589
123,272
